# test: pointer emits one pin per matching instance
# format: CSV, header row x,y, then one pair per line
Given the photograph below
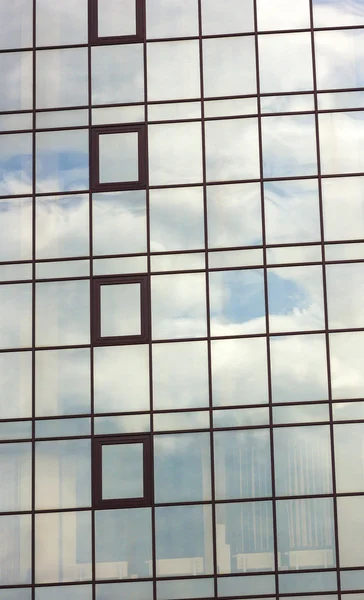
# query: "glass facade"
x,y
181,299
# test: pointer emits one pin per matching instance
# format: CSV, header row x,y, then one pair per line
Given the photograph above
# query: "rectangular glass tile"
x,y
348,411
181,420
120,309
15,272
122,424
13,430
230,108
16,122
120,266
236,258
122,471
344,251
69,268
294,254
118,156
61,118
244,417
178,262
173,111
306,413
118,114
116,18
337,100
62,427
289,103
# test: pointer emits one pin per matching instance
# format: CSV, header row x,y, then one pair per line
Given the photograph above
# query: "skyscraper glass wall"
x,y
181,299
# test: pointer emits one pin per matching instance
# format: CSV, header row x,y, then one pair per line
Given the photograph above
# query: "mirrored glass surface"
x,y
295,297
120,312
175,153
61,24
142,590
117,74
351,530
279,56
292,212
229,66
16,229
339,59
180,375
15,164
233,364
62,313
298,368
62,226
76,592
332,100
115,19
121,380
15,315
122,424
16,594
281,15
15,384
341,136
192,261
305,530
344,251
182,467
242,464
64,268
62,474
16,20
288,103
253,585
119,222
351,580
15,553
345,309
337,13
62,382
62,77
236,258
62,118
176,219
165,82
123,543
62,547
188,588
234,215
339,222
62,161
16,272
118,157
349,449
15,474
282,156
46,428
244,537
309,582
240,417
117,114
346,350
16,78
302,459
183,540
294,254
15,430
117,266
170,111
237,303
15,122
234,16
122,471
232,149
176,420
171,19
179,306
303,413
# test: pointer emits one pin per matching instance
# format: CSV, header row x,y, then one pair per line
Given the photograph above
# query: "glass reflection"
x,y
121,381
242,464
306,533
346,350
117,74
16,19
183,540
62,313
15,550
298,368
281,15
118,157
62,547
351,530
234,16
76,592
16,229
120,312
349,450
165,82
244,537
176,219
339,222
16,78
61,24
186,588
229,66
15,316
239,372
15,474
252,585
122,471
295,297
279,56
62,77
171,19
142,590
15,384
341,136
232,149
15,164
114,19
179,306
338,13
123,543
182,467
345,310
339,59
180,375
237,302
308,583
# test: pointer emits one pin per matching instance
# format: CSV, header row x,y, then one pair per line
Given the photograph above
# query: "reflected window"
x,y
122,471
118,156
120,310
115,22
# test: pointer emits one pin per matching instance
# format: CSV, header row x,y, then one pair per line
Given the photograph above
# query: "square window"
x,y
115,22
122,471
120,310
118,158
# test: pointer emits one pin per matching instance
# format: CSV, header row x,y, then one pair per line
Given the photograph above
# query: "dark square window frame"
x,y
115,186
97,444
139,36
144,335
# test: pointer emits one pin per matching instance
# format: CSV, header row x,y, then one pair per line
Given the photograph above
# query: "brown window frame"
x,y
144,336
97,444
139,36
115,186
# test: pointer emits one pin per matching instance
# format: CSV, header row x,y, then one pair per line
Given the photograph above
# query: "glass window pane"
x,y
339,59
279,56
15,475
16,230
118,155
142,590
15,550
62,474
15,384
242,464
117,74
232,16
252,585
123,541
182,468
62,77
61,24
165,82
15,316
351,530
281,16
76,592
122,471
16,164
183,540
174,589
16,24
337,13
16,80
120,309
341,136
16,594
349,452
62,547
345,310
172,18
346,351
62,313
116,19
339,222
229,66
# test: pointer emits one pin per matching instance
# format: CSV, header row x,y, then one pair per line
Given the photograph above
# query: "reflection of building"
x,y
181,314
